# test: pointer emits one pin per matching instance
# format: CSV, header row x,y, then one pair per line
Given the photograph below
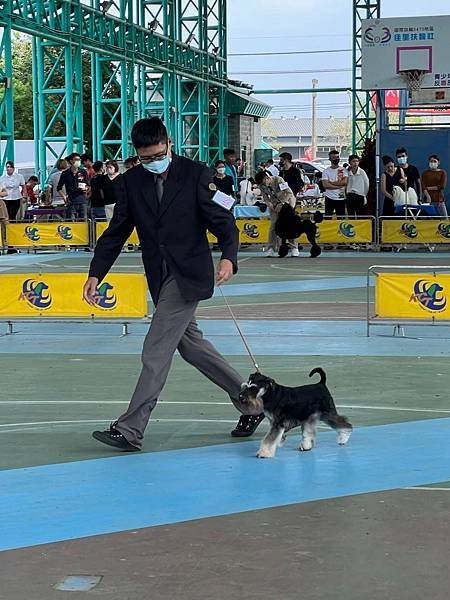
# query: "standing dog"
x,y
288,407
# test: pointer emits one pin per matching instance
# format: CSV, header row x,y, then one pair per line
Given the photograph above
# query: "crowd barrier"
x,y
58,296
386,231
420,230
408,294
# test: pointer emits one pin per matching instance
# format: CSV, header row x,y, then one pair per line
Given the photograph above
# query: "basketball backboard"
x,y
395,45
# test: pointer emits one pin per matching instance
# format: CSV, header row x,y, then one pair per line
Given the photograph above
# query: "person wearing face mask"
x,y
334,181
73,187
411,177
172,201
223,182
434,182
290,173
390,178
109,187
14,184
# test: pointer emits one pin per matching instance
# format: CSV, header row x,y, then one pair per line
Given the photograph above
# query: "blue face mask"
x,y
158,166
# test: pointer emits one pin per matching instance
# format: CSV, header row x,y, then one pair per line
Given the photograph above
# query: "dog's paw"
x,y
265,453
306,445
343,436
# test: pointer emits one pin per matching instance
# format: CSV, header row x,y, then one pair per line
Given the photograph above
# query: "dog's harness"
x,y
247,347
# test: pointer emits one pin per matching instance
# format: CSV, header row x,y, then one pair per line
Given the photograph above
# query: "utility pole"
x,y
314,121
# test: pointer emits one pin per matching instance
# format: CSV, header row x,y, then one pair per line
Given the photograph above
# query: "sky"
x,y
299,25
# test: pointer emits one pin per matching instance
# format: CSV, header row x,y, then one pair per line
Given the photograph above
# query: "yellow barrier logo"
x,y
32,233
347,230
64,232
251,230
444,230
409,230
105,297
35,293
429,295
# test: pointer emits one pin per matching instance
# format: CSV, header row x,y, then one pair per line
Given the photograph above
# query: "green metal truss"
x,y
364,108
145,57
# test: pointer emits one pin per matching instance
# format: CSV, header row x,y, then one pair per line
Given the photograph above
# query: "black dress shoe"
x,y
113,437
247,425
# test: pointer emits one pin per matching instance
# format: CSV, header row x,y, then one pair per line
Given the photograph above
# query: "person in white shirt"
x,y
14,184
247,194
357,187
334,181
273,170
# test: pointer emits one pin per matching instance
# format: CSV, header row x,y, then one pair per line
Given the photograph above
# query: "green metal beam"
x,y
363,102
304,90
6,98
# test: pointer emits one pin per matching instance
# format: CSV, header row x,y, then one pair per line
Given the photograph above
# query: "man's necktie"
x,y
159,184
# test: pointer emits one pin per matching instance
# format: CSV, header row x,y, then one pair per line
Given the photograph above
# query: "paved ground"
x,y
349,540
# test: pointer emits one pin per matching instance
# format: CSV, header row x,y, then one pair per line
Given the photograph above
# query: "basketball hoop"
x,y
413,79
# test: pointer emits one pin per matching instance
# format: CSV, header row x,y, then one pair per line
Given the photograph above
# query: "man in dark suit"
x,y
171,201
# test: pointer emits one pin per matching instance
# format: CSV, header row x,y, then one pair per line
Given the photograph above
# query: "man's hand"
x,y
90,289
224,271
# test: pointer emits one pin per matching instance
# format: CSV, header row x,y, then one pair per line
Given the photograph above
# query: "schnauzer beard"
x,y
252,403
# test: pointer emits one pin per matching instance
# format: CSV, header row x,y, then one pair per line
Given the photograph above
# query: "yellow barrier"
x,y
60,295
330,231
56,233
412,296
101,226
420,231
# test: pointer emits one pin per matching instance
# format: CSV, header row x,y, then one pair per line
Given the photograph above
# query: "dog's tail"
x,y
321,372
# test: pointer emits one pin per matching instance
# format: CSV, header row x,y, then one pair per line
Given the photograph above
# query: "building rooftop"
x,y
290,127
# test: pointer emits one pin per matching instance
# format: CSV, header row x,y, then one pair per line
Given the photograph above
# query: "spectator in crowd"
x,y
230,168
73,185
54,196
87,164
434,182
389,178
109,187
306,180
223,182
31,188
318,181
14,184
240,168
334,182
290,173
411,172
274,193
4,217
273,170
130,162
357,187
97,201
247,192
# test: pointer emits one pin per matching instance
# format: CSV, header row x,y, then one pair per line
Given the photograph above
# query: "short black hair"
x,y
259,177
286,156
318,174
85,157
401,150
72,156
331,152
387,159
270,161
97,166
10,164
219,162
32,178
130,160
149,132
435,156
229,152
352,156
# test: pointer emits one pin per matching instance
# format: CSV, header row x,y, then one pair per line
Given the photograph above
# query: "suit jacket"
x,y
173,231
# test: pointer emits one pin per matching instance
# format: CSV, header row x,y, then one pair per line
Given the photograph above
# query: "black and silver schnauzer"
x,y
289,407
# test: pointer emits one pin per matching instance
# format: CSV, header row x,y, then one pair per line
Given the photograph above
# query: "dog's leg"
x,y
309,430
270,441
342,426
